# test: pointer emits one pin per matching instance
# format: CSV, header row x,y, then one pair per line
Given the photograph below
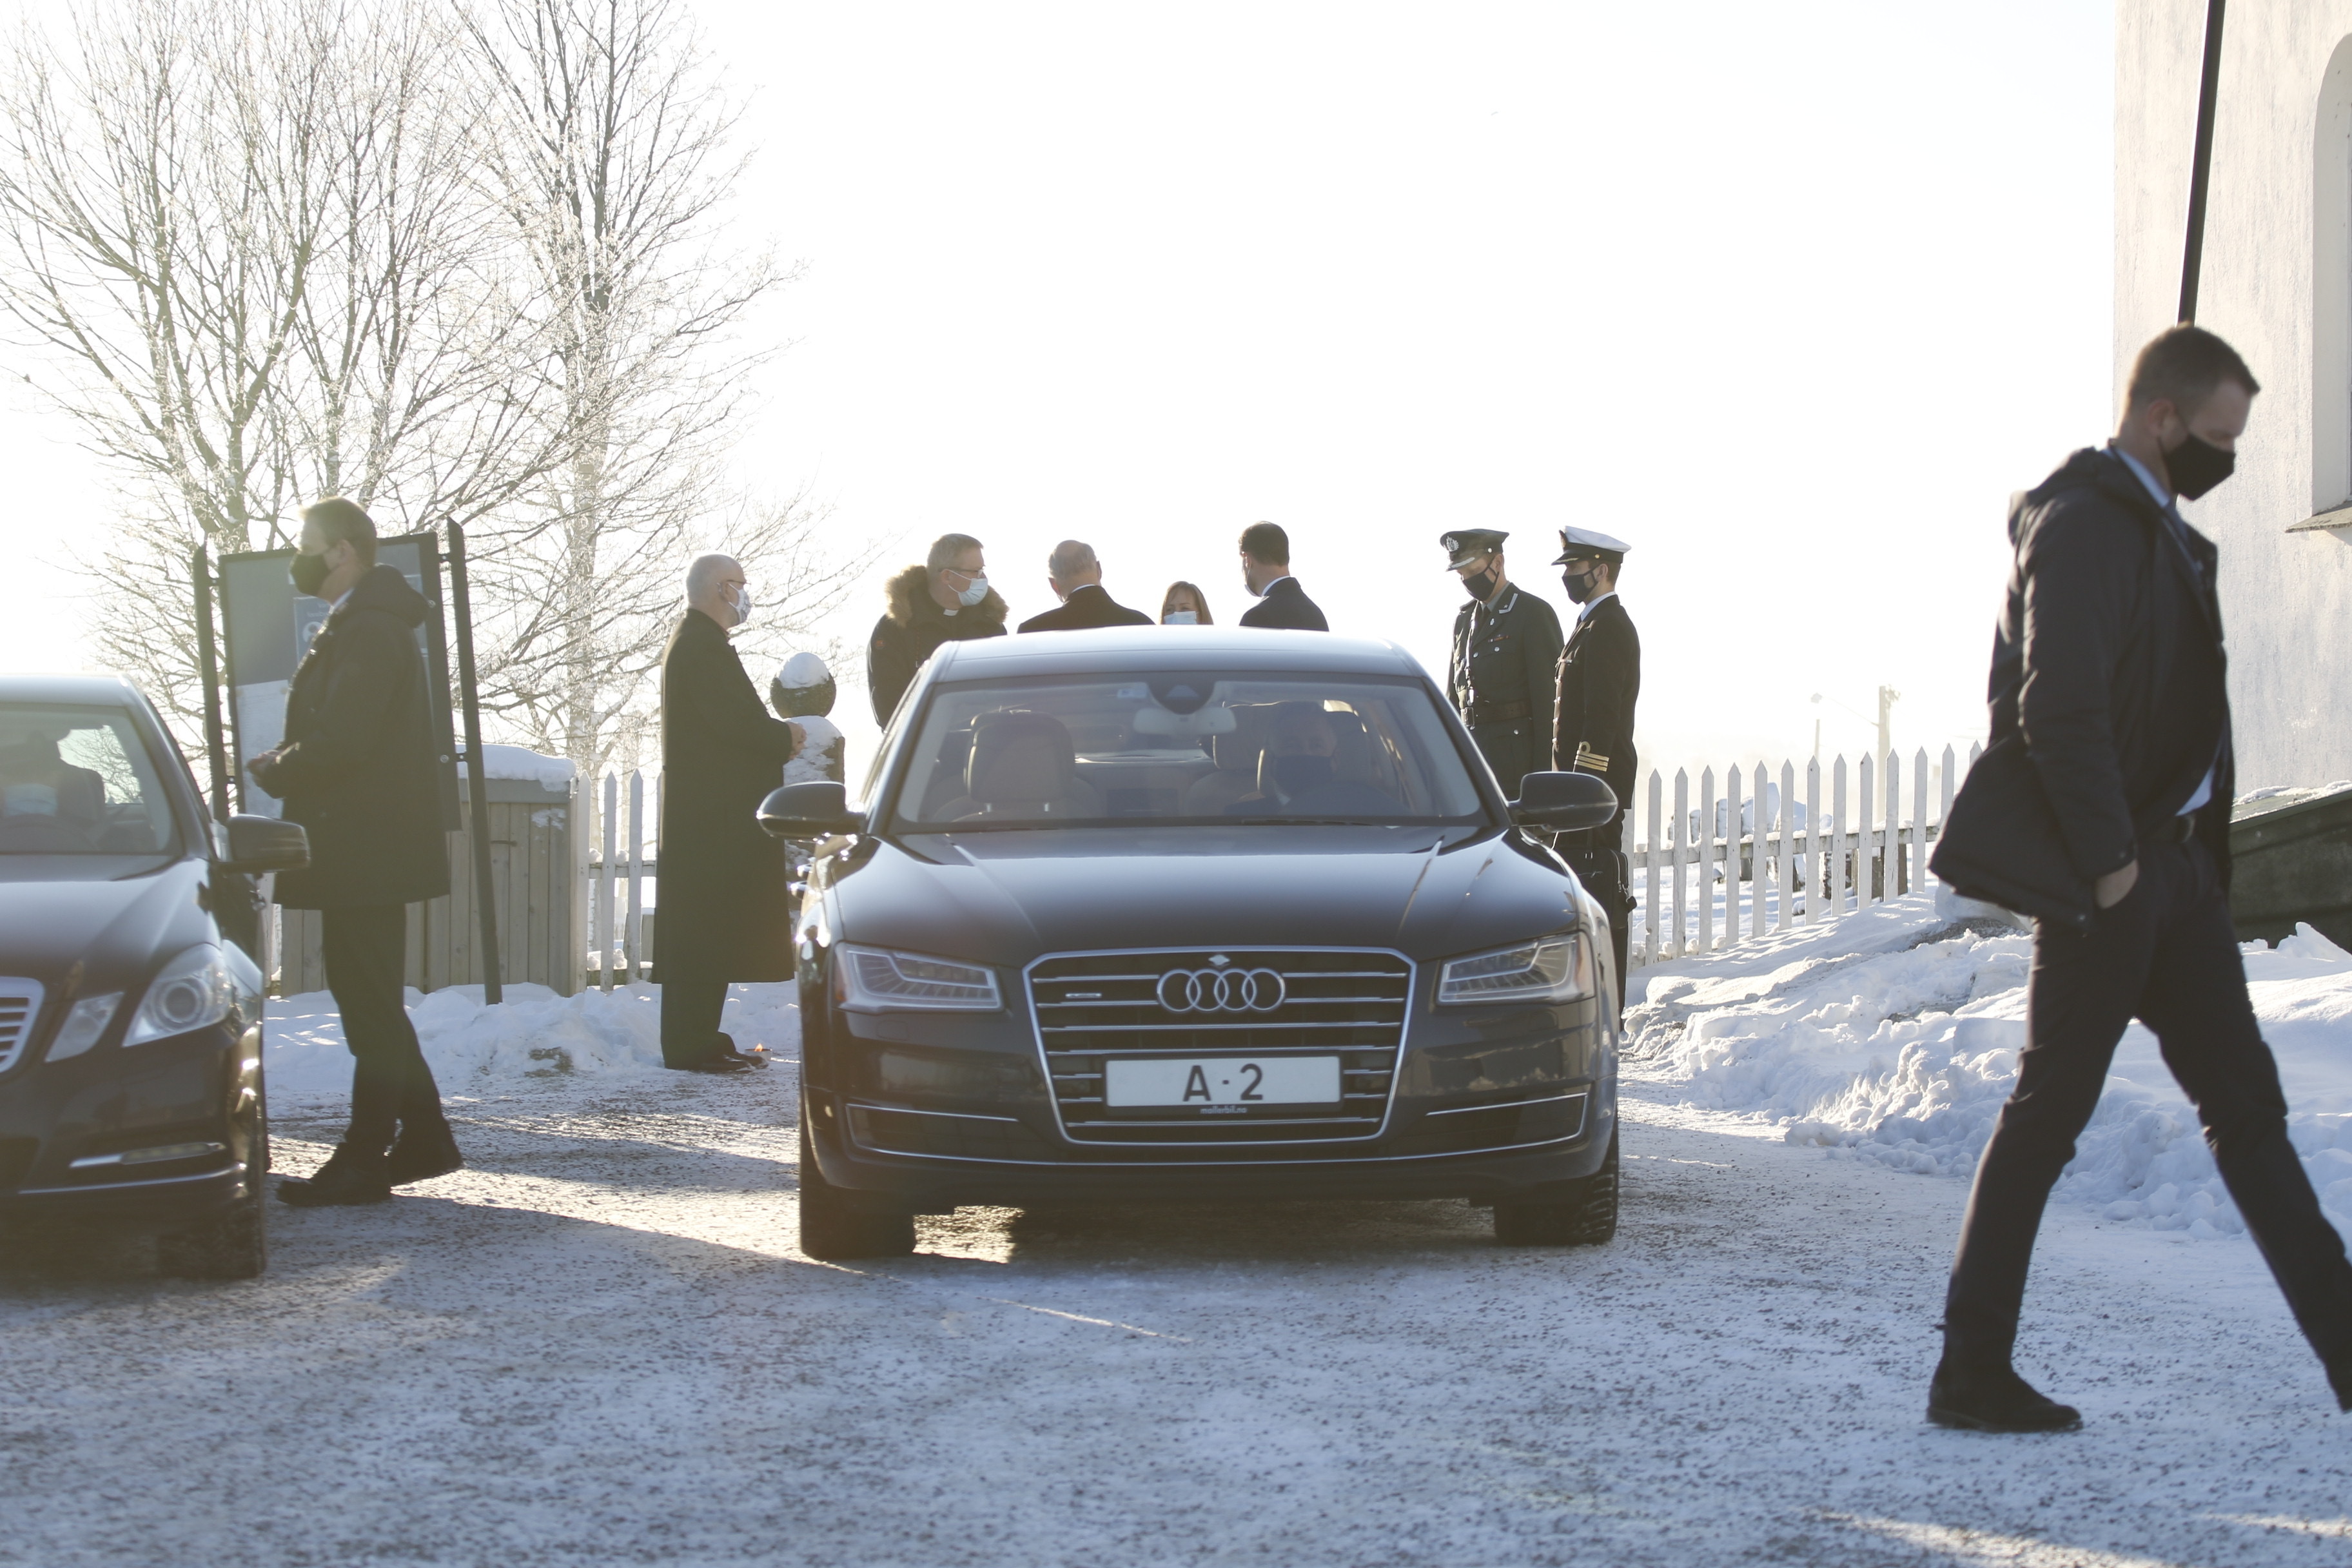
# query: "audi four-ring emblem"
x,y
1221,990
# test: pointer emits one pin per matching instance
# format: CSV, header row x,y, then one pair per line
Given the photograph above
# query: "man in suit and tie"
x,y
1076,577
1282,605
1592,715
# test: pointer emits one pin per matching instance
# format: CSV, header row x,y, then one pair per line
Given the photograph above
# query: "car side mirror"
x,y
258,843
1564,801
817,809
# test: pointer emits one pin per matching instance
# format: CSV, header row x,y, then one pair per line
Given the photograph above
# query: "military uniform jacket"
x,y
1501,680
1592,721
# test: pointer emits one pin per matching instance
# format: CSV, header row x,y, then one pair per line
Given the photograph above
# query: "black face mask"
x,y
1296,776
2198,466
1580,586
1481,584
309,575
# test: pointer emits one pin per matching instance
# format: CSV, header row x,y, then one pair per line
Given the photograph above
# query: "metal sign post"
x,y
478,789
2201,166
216,742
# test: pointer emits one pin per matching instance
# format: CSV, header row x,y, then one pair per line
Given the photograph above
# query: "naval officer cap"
x,y
1465,545
1585,544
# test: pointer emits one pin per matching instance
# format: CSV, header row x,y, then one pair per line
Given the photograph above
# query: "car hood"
x,y
1005,897
114,928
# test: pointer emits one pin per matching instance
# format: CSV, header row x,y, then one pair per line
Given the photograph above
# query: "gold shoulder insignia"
x,y
1586,757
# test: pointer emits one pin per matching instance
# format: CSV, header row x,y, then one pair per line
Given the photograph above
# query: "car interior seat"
x,y
1023,765
1236,753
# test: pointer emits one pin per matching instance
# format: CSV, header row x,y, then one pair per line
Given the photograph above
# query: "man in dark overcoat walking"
x,y
2110,706
358,769
1593,716
726,908
1506,660
1076,577
1282,605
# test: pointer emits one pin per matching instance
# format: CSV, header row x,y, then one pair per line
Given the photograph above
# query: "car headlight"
x,y
868,980
194,991
1557,968
84,1023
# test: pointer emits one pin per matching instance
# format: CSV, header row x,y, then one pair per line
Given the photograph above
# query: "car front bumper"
x,y
198,1088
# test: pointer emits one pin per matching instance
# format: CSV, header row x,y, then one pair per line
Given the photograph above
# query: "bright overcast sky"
x,y
1789,297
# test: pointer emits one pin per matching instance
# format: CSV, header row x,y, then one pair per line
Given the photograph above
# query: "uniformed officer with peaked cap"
x,y
1505,648
1592,721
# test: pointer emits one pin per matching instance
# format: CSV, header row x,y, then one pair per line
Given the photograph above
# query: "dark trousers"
x,y
1597,856
2169,955
691,1002
366,952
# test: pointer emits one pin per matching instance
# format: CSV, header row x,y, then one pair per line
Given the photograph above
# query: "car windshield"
x,y
78,781
1207,749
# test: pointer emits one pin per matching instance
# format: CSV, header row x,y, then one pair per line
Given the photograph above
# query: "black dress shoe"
x,y
348,1178
726,1048
1994,1399
715,1065
422,1153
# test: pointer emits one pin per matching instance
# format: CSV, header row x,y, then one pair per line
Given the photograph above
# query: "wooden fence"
x,y
538,864
1798,865
619,928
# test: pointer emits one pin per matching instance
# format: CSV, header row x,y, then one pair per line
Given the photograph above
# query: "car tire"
x,y
837,1225
233,1247
1584,1214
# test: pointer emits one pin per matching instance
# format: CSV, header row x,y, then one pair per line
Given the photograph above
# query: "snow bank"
x,y
1892,1035
533,1033
522,762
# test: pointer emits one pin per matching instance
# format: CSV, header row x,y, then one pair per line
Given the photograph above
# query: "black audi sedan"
x,y
130,1080
1195,913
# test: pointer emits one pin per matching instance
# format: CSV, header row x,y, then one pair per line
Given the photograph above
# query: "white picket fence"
x,y
613,907
1749,856
1795,865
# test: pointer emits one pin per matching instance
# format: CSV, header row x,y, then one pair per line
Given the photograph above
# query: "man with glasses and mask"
x,y
2104,800
946,599
1506,656
358,769
726,905
1592,715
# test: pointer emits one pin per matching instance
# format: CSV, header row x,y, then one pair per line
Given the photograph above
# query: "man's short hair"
x,y
1266,542
703,572
340,520
1071,558
2185,363
948,548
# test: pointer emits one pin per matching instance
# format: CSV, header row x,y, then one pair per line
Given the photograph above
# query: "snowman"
x,y
803,692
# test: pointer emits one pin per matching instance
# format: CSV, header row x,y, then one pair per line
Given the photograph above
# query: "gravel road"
x,y
599,1346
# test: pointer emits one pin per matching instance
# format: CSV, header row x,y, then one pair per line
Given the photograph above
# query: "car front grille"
x,y
20,1009
1094,1007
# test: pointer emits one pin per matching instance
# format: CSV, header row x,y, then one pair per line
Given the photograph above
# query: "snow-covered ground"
x,y
597,1344
1891,1036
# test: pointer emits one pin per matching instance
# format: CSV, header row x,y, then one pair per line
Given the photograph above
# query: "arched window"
x,y
2331,305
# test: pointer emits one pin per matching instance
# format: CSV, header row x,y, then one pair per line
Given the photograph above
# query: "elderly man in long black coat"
x,y
358,769
726,912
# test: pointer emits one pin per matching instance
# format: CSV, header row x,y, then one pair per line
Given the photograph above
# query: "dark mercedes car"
x,y
1196,913
130,1088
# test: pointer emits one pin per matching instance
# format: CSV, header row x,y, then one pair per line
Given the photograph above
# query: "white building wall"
x,y
2277,283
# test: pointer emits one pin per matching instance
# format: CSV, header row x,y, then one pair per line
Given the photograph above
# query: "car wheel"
x,y
233,1247
837,1224
1584,1215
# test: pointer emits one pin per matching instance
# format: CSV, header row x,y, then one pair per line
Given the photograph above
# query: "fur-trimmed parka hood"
x,y
910,596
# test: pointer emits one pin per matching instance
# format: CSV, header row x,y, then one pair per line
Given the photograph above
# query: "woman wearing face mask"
x,y
1184,605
